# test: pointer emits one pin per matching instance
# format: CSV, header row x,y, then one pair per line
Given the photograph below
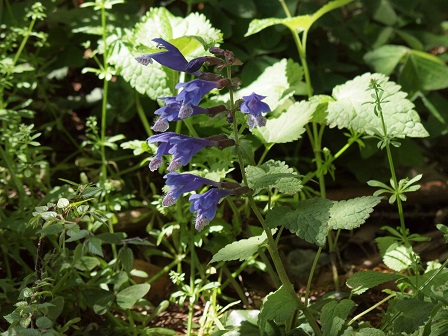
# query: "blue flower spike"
x,y
204,205
183,183
254,106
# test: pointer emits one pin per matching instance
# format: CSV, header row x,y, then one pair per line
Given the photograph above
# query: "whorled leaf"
x,y
277,306
350,214
289,126
308,221
351,108
273,174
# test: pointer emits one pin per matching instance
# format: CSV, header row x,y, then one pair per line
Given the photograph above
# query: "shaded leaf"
x,y
277,306
334,315
130,295
362,281
413,314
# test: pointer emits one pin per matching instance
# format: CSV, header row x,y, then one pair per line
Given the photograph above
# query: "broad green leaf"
x,y
275,83
86,263
289,126
99,299
363,332
240,250
277,306
193,36
299,23
51,229
273,174
397,257
362,281
126,257
413,313
431,73
130,295
94,246
385,58
351,108
334,315
351,214
308,221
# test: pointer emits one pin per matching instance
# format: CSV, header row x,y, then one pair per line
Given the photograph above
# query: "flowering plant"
x,y
185,105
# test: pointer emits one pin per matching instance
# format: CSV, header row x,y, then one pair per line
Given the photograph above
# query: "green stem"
x,y
192,281
142,115
236,286
267,148
310,276
370,309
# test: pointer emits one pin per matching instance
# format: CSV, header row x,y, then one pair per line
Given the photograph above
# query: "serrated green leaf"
x,y
289,126
193,35
413,314
273,174
275,83
240,250
362,281
351,214
351,108
308,221
277,306
130,295
334,315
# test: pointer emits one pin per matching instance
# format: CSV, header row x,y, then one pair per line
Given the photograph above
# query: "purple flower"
x,y
254,106
205,205
171,57
182,148
173,110
192,92
182,183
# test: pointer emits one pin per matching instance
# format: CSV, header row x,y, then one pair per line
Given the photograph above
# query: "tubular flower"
x,y
182,148
171,57
182,183
254,106
171,112
193,91
204,205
